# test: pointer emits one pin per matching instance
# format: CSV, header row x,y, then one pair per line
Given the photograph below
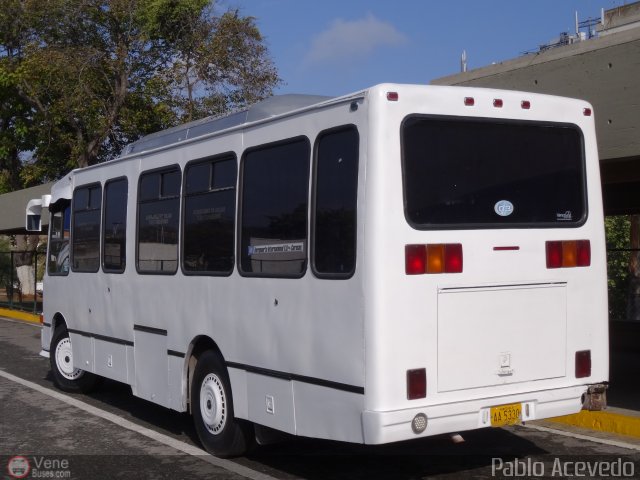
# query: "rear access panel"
x,y
498,335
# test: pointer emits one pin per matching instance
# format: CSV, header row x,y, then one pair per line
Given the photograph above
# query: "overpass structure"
x,y
604,71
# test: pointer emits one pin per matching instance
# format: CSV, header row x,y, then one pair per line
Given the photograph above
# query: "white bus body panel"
x,y
504,303
328,358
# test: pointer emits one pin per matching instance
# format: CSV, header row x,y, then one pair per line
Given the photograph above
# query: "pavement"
x,y
622,416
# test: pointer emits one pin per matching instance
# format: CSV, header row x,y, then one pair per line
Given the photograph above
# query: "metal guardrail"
x,y
12,293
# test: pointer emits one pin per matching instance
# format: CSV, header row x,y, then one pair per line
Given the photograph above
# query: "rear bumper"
x,y
395,425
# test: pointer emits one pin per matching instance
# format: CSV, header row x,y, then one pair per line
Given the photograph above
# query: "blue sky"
x,y
331,47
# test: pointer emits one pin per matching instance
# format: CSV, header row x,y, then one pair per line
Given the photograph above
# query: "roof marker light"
x,y
497,102
392,96
525,104
586,112
469,101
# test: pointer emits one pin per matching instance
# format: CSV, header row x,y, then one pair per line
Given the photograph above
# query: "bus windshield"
x,y
492,173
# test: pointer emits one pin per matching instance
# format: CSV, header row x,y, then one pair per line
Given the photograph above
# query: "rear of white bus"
x,y
485,263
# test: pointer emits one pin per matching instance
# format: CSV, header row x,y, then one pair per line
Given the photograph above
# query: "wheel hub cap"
x,y
213,404
64,360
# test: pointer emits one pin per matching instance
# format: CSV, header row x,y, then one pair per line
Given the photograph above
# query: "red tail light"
x,y
497,102
416,383
453,258
583,364
393,96
415,259
525,104
433,258
469,101
568,253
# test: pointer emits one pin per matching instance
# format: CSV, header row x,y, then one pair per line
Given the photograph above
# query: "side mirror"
x,y
33,221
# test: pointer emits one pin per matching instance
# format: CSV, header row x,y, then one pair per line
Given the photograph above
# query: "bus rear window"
x,y
490,173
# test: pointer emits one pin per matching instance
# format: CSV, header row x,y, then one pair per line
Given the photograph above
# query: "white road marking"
x,y
159,437
614,443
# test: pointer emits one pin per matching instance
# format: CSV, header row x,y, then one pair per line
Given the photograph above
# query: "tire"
x,y
220,433
65,376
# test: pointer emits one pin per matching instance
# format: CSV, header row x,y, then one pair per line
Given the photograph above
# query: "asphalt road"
x,y
112,434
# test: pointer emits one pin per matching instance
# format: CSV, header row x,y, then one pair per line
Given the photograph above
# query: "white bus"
x,y
396,263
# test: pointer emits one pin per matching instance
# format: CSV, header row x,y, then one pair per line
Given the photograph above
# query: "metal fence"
x,y
13,293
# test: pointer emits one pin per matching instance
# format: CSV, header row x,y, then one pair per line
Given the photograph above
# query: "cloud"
x,y
349,40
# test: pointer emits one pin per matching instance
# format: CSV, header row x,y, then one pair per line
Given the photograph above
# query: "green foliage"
x,y
617,230
79,79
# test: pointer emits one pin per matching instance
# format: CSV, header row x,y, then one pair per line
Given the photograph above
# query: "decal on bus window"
x,y
277,248
564,216
504,208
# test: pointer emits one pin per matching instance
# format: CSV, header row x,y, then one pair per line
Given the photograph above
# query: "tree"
x,y
617,230
97,74
79,79
633,299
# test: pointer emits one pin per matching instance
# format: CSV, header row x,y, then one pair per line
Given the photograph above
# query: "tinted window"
x,y
158,219
336,189
492,173
85,254
209,216
273,235
115,226
60,233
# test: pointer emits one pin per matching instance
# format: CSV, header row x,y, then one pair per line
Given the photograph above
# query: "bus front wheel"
x,y
219,431
65,375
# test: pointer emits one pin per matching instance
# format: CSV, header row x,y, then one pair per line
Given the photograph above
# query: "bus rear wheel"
x,y
65,375
220,433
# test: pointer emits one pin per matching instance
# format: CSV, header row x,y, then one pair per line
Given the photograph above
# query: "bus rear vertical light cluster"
x,y
416,383
583,364
568,253
433,258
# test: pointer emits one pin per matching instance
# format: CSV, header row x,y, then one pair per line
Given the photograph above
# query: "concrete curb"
x,y
611,420
18,315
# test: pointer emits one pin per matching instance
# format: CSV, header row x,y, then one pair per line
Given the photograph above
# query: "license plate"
x,y
506,415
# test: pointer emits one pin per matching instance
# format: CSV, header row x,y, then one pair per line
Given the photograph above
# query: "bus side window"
x,y
158,219
209,216
59,234
114,232
275,192
335,202
85,248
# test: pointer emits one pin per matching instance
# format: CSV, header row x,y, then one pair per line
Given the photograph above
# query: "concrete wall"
x,y
604,71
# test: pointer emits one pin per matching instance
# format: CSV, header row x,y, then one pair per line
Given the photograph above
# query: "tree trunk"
x,y
633,299
25,247
26,277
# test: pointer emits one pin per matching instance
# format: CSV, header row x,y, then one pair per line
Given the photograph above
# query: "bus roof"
x,y
267,108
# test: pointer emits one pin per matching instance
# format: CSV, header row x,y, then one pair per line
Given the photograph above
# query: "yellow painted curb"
x,y
18,315
603,421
